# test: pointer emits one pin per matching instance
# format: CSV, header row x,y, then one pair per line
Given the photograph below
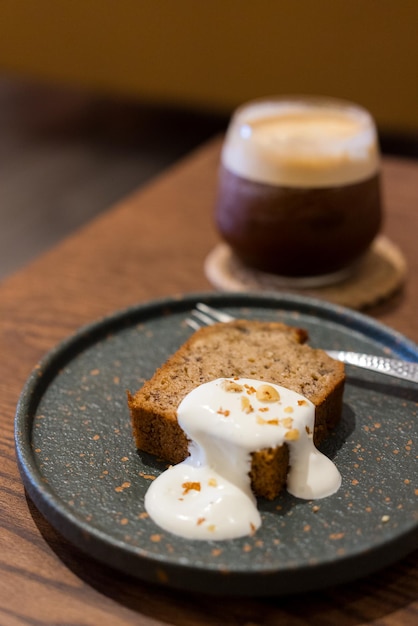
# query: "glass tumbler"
x,y
299,186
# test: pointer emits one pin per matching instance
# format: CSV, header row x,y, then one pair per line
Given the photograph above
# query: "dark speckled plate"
x,y
79,464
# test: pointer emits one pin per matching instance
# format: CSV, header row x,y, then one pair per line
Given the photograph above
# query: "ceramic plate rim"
x,y
40,377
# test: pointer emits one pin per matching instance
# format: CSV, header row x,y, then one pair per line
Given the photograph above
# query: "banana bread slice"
x,y
269,351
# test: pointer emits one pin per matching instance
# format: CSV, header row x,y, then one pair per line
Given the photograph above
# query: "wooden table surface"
x,y
153,244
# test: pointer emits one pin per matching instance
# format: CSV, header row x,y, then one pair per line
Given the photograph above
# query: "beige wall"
x,y
219,53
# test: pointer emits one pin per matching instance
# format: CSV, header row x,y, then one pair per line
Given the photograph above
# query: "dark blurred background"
x,y
67,155
97,97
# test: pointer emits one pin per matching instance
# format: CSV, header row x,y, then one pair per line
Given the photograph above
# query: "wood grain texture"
x,y
151,245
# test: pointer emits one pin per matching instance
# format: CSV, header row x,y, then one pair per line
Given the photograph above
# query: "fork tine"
x,y
206,319
215,314
192,324
199,319
207,316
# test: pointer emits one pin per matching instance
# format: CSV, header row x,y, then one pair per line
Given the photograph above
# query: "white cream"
x,y
208,496
302,142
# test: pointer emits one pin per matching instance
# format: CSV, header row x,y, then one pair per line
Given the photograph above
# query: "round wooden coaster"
x,y
380,274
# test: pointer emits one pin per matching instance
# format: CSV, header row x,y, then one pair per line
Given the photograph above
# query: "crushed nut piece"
x,y
231,386
222,411
190,486
288,409
336,536
147,476
287,422
262,421
292,435
246,405
267,393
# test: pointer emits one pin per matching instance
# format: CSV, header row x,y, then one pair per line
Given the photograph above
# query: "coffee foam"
x,y
302,143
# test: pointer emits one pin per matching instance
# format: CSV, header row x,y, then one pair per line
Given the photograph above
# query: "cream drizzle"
x,y
209,496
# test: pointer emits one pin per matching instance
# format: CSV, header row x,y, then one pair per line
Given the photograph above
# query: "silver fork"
x,y
204,315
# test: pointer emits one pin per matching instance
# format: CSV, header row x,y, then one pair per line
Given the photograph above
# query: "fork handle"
x,y
392,367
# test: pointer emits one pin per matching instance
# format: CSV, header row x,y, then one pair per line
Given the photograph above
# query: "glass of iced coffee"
x,y
299,190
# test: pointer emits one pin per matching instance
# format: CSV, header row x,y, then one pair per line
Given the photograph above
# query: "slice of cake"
x,y
268,351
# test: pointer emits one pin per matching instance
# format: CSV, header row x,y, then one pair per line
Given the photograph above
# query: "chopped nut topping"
x,y
147,476
336,536
302,402
222,411
232,386
292,435
189,486
287,422
200,521
267,393
288,409
262,421
250,389
246,405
